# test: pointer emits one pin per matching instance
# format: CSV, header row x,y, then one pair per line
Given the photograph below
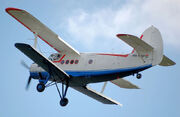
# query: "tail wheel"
x,y
138,76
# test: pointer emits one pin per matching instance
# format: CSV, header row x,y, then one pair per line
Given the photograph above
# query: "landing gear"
x,y
40,87
42,81
64,101
138,76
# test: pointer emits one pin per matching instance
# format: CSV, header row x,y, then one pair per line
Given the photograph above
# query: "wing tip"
x,y
119,35
117,103
11,8
18,45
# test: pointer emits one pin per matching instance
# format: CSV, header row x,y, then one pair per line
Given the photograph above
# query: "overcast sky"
x,y
91,26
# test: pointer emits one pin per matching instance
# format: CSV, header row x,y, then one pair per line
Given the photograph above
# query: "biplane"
x,y
76,70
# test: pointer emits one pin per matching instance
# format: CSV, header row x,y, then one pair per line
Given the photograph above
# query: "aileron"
x,y
97,96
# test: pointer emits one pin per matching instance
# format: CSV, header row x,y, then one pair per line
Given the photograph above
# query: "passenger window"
x,y
90,61
67,61
62,62
72,61
76,61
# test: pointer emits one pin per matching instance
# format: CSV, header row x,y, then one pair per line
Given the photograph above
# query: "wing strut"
x,y
35,40
104,86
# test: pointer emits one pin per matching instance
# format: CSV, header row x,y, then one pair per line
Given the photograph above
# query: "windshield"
x,y
54,57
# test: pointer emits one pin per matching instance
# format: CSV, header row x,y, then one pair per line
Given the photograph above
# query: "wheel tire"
x,y
40,87
138,76
64,102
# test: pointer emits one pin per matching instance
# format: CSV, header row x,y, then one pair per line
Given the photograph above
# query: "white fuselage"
x,y
98,67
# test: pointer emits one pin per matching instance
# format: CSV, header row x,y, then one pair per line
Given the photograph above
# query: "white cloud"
x,y
95,29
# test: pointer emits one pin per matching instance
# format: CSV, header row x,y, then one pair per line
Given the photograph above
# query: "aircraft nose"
x,y
34,70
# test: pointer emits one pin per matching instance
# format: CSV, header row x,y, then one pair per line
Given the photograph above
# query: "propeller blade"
x,y
28,83
24,64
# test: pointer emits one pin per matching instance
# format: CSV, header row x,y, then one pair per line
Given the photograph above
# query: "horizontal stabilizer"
x,y
43,32
138,44
95,95
41,60
166,61
122,83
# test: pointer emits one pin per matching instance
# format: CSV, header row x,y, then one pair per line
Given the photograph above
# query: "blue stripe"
x,y
105,72
94,72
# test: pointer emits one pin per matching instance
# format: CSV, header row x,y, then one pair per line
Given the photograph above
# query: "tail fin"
x,y
152,36
149,44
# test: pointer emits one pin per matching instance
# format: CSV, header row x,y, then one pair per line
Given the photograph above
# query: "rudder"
x,y
152,36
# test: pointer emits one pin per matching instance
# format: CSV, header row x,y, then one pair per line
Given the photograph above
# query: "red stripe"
x,y
126,55
118,35
49,43
59,60
9,9
141,37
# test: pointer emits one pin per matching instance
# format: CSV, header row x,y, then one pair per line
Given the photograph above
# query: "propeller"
x,y
27,67
24,65
29,79
28,83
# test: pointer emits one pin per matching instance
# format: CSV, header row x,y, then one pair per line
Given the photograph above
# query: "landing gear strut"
x,y
138,76
42,81
64,101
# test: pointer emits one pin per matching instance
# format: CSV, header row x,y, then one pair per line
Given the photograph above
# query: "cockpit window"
x,y
54,57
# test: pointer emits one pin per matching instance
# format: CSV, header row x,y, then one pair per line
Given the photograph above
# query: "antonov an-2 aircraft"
x,y
76,70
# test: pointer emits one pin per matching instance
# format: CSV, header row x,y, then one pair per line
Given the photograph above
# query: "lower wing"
x,y
97,96
122,83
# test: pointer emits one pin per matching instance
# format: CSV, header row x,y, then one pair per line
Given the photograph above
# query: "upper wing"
x,y
166,61
95,95
43,32
139,45
41,60
124,84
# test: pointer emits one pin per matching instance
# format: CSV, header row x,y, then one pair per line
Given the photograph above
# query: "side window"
x,y
90,61
56,56
72,61
76,61
62,62
67,61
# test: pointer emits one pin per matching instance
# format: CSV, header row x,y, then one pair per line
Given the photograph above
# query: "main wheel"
x,y
63,101
138,76
40,87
